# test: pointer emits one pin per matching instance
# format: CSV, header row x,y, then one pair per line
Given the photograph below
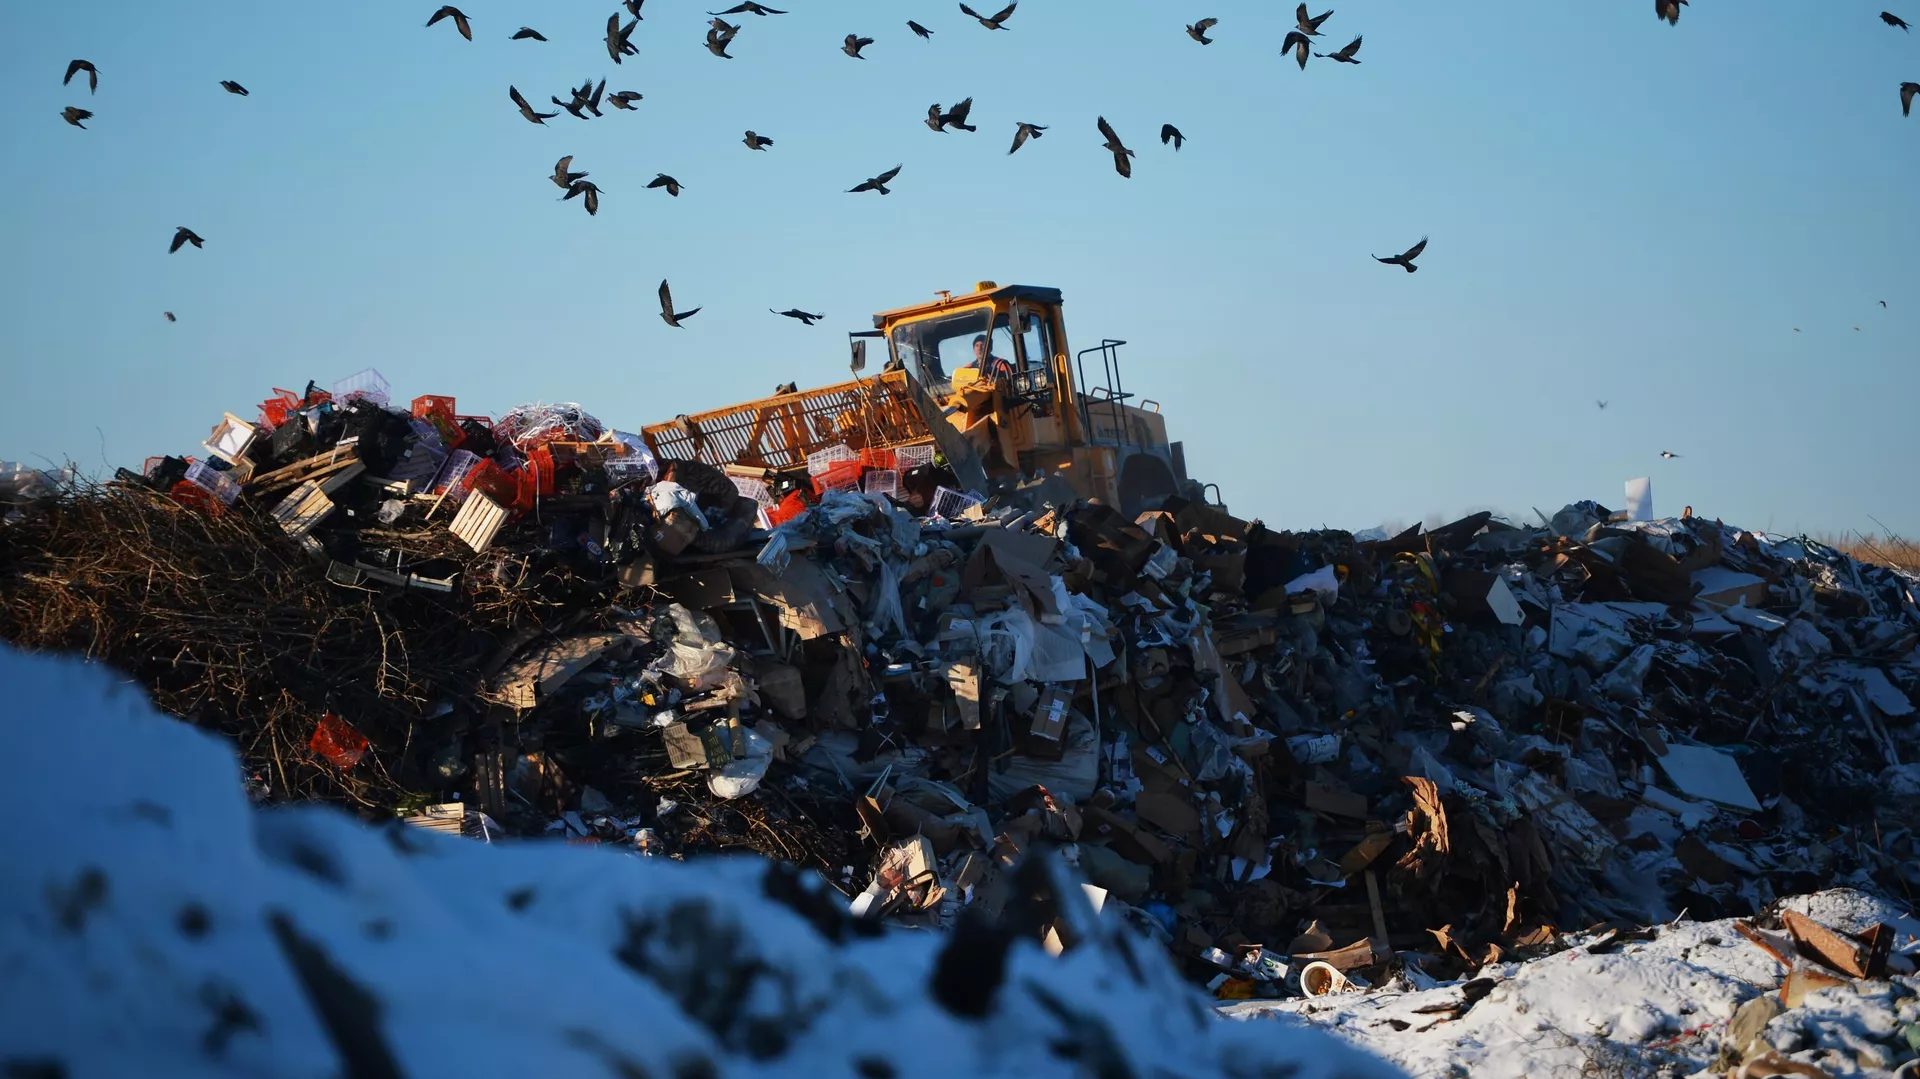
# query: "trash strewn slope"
x,y
156,924
1266,749
1692,998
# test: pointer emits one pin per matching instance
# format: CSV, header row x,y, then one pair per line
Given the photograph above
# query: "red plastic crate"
x,y
438,411
495,482
534,480
881,459
790,507
843,474
195,497
274,410
429,404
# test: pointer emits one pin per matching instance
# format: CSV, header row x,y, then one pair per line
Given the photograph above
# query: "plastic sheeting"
x,y
742,775
1072,777
697,657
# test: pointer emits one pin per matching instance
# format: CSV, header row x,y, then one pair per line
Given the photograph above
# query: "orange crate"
x,y
195,497
438,411
534,479
495,482
843,474
274,410
881,459
790,507
429,404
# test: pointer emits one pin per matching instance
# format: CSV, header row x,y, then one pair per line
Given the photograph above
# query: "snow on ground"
x,y
152,922
1658,1007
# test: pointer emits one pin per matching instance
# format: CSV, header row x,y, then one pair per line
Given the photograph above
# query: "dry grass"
x,y
1883,550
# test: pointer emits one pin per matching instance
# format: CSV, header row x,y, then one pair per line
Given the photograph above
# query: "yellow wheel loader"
x,y
987,379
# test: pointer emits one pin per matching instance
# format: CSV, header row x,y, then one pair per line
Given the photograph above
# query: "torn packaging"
x,y
1171,813
1124,837
1017,558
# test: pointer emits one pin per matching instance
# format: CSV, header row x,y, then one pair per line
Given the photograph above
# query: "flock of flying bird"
x,y
588,97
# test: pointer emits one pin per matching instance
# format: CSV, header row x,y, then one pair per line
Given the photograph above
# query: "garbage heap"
x,y
1301,760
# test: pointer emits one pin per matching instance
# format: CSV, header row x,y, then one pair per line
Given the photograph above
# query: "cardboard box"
x,y
1050,713
672,534
782,688
637,573
1335,801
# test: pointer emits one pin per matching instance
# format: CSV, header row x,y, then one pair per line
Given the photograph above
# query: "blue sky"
x,y
1619,210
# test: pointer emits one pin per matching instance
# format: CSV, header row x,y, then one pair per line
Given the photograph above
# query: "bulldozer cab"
x,y
1001,352
1006,335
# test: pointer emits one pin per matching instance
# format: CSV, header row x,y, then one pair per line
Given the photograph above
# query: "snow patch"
x,y
152,922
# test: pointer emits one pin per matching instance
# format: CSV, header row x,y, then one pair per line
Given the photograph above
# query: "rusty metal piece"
x,y
1766,945
1858,957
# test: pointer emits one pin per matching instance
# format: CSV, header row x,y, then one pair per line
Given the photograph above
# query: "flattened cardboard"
x,y
1171,813
1335,801
537,674
1701,772
702,589
803,596
1020,559
1126,839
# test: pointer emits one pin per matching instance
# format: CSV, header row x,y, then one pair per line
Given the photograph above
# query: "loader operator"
x,y
989,365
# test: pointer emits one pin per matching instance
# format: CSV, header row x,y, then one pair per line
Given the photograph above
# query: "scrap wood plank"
x,y
1379,914
300,512
306,468
479,520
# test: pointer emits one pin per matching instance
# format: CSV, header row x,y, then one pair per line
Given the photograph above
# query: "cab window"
x,y
1036,340
932,349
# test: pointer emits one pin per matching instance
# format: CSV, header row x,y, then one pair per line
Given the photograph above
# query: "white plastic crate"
x,y
218,483
906,457
637,462
369,384
821,460
881,481
630,468
951,504
753,488
453,475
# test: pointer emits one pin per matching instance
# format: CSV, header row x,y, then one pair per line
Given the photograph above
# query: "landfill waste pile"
x,y
1714,998
156,924
1279,754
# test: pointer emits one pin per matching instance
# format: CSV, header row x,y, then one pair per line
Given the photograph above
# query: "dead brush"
x,y
231,626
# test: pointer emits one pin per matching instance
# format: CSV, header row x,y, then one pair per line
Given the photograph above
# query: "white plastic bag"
x,y
742,775
668,496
